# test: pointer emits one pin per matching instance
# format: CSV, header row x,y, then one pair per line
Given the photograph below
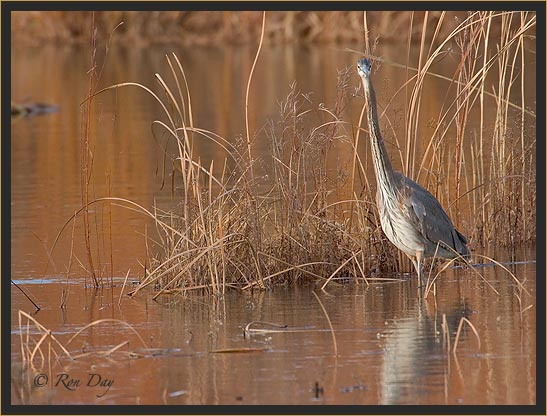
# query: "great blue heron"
x,y
412,219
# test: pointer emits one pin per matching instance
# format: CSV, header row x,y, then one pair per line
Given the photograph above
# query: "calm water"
x,y
385,347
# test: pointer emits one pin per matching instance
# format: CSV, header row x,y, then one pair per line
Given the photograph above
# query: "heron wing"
x,y
428,216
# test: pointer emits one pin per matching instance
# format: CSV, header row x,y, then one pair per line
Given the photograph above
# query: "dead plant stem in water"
x,y
335,344
86,152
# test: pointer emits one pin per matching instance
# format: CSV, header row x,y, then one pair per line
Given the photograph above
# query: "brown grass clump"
x,y
237,230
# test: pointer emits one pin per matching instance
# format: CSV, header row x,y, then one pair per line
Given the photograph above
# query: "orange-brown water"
x,y
390,348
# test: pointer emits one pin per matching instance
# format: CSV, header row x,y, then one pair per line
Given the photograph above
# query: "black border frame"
x,y
9,6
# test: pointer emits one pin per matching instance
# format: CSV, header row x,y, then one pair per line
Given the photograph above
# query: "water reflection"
x,y
415,347
391,349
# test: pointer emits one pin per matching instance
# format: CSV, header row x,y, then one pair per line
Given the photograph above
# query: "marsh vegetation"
x,y
250,222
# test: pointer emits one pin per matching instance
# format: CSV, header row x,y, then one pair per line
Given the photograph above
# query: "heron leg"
x,y
413,260
418,265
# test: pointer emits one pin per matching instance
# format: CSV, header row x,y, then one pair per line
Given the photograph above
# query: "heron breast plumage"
x,y
396,226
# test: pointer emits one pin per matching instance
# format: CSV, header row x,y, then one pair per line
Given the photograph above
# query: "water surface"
x,y
385,347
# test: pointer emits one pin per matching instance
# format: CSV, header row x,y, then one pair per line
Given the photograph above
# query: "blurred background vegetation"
x,y
213,27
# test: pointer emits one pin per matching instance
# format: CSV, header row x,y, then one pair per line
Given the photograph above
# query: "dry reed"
x,y
86,153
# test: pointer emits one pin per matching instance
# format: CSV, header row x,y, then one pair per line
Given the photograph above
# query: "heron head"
x,y
363,67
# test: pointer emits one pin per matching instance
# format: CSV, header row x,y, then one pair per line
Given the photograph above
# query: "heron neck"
x,y
382,164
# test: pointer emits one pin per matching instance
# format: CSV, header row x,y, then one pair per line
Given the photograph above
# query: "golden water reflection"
x,y
391,349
